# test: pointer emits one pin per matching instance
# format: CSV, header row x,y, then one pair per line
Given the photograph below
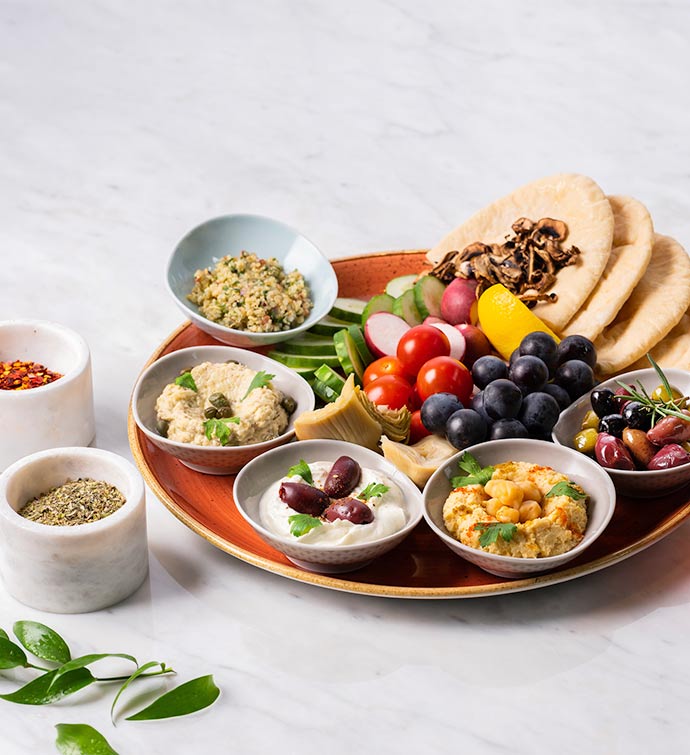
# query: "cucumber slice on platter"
x,y
328,326
358,337
309,346
300,361
349,357
378,303
323,391
330,378
405,306
428,292
349,310
397,286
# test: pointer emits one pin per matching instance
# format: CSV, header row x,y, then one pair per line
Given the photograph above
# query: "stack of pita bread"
x,y
629,291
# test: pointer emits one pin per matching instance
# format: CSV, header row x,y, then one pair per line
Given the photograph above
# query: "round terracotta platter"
x,y
421,567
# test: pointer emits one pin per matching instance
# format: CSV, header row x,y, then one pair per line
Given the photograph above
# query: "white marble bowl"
x,y
79,568
252,481
58,414
216,460
634,483
204,245
579,468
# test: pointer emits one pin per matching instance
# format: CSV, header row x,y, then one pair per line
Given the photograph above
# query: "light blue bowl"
x,y
203,246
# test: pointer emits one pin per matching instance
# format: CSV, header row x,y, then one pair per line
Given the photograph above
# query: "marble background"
x,y
369,126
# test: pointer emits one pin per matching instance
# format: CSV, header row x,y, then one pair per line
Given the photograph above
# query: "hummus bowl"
x,y
577,467
213,459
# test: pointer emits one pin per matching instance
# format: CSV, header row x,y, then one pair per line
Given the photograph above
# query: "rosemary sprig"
x,y
658,409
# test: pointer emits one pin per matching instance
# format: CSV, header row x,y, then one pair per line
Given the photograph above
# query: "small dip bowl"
x,y
79,568
216,460
579,468
203,246
57,414
252,481
633,483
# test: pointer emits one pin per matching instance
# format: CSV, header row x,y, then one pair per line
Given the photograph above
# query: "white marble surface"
x,y
368,125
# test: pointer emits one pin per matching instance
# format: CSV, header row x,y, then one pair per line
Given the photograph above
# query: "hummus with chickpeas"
x,y
517,494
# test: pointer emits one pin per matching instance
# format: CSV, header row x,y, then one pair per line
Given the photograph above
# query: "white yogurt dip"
x,y
389,511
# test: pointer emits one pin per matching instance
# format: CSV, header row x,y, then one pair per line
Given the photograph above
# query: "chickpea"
x,y
506,491
508,514
529,510
492,506
530,491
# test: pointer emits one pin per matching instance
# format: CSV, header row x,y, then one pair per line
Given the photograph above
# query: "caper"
x,y
219,400
661,394
210,412
590,421
162,426
585,440
224,412
289,404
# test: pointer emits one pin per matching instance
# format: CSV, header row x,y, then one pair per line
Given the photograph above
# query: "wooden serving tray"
x,y
421,567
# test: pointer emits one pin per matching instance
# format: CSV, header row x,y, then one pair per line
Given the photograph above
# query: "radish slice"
x,y
382,332
431,320
455,338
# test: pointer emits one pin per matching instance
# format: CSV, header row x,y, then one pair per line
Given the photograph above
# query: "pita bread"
x,y
655,306
633,238
576,200
672,351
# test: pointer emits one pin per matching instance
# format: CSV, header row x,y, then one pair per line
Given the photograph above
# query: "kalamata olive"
x,y
343,477
613,424
640,448
162,426
661,394
669,456
603,402
289,404
611,453
218,400
622,398
637,416
670,430
585,440
303,498
352,509
225,411
210,412
590,420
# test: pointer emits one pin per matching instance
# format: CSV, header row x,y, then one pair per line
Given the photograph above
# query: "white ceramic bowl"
x,y
80,568
635,483
579,468
203,246
213,459
252,481
58,414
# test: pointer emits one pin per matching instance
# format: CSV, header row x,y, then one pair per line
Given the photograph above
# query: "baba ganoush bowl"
x,y
634,483
577,467
254,479
230,235
218,460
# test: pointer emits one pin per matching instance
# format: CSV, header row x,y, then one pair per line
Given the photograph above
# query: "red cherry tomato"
x,y
417,429
419,344
445,375
389,390
381,367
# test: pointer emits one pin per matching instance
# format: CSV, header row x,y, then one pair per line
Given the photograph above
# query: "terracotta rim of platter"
x,y
341,582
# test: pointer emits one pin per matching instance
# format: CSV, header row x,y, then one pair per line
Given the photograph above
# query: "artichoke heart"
x,y
420,460
395,423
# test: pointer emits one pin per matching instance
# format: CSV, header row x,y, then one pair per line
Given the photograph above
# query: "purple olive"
x,y
671,455
670,430
352,509
611,453
343,477
303,498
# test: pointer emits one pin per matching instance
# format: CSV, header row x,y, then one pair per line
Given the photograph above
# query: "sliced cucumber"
x,y
378,303
330,378
404,306
298,361
309,346
324,392
328,326
349,310
348,355
428,292
397,286
358,337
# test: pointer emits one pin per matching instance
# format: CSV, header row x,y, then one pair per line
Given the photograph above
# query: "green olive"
x,y
289,404
224,412
590,421
585,440
218,400
210,412
162,426
661,394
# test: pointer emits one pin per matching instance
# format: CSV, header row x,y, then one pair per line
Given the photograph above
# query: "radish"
x,y
459,302
382,332
431,320
457,345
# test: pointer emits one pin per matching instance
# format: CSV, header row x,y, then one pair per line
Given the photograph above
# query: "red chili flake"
x,y
20,376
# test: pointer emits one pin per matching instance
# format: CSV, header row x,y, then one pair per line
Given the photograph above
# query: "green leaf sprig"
x,y
220,428
566,488
186,381
491,531
301,470
475,474
300,524
260,380
372,490
81,739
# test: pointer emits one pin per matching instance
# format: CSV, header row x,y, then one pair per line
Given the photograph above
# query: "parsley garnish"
x,y
186,381
566,488
219,428
474,473
491,530
300,524
303,471
373,490
260,380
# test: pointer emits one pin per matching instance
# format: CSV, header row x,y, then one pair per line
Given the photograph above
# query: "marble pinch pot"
x,y
78,568
54,415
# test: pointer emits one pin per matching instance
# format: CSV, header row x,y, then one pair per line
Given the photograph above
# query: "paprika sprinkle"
x,y
20,376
